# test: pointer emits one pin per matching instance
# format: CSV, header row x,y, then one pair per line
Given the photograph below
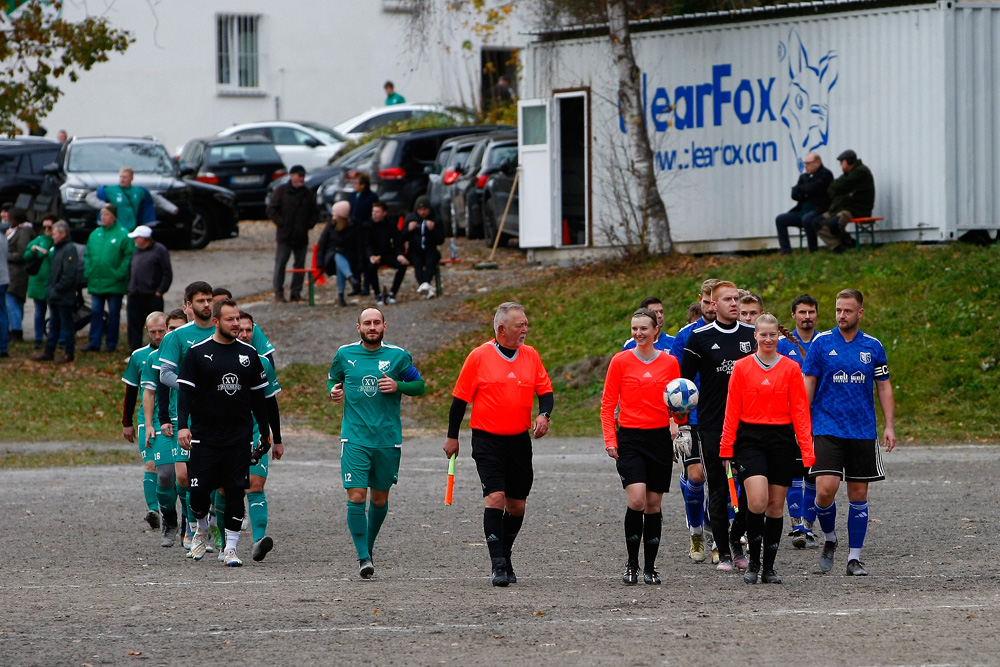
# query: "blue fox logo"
x,y
805,111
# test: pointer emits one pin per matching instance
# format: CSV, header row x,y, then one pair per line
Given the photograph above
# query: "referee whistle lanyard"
x,y
734,498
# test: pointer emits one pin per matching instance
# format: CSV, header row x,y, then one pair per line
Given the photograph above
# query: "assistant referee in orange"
x,y
501,378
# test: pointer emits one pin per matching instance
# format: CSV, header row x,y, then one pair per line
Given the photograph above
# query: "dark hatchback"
x,y
21,162
207,212
403,162
244,165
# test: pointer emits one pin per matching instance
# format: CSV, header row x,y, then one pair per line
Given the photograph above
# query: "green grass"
x,y
935,309
67,457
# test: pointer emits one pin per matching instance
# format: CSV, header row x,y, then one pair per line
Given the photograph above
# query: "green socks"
x,y
149,491
358,525
376,515
257,504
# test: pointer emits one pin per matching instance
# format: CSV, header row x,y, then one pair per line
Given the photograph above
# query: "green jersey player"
x,y
369,377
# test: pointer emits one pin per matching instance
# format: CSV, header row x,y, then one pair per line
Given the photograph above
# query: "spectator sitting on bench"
x,y
423,236
338,244
812,199
383,246
852,195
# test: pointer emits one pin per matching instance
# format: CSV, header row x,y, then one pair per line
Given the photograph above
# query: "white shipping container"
x,y
731,110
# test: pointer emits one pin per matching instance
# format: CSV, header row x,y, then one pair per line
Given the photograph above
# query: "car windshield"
x,y
143,157
242,153
501,153
328,133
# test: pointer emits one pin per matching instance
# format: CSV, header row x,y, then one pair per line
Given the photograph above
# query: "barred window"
x,y
238,54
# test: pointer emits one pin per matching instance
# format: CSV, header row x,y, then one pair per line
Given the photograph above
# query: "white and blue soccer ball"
x,y
681,395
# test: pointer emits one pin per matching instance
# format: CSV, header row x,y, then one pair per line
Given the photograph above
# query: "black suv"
x,y
207,212
403,161
21,162
243,165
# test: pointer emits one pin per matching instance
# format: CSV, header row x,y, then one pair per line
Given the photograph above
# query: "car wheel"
x,y
473,228
490,226
200,232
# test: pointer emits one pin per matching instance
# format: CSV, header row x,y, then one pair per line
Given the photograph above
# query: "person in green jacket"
x,y
852,195
391,96
38,283
105,266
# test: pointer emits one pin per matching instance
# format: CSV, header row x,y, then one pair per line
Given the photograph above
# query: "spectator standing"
x,y
149,278
812,199
293,210
423,236
852,195
337,244
19,236
136,205
106,267
61,294
37,260
391,96
4,282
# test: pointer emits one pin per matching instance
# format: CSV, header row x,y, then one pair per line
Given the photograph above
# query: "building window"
x,y
237,69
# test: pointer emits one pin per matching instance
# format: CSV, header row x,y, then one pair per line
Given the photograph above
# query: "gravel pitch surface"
x,y
82,583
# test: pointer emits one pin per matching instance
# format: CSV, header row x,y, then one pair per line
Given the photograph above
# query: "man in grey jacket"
x,y
61,296
149,279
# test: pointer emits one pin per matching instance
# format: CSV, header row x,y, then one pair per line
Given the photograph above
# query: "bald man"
x,y
810,195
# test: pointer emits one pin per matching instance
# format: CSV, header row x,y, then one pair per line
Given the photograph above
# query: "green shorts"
x,y
162,451
261,468
181,455
140,439
365,467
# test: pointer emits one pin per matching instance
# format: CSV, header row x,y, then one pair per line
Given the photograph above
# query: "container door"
x,y
571,182
536,202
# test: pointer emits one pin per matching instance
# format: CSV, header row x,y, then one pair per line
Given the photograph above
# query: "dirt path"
x,y
81,583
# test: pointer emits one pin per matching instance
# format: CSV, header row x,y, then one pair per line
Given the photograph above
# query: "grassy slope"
x,y
935,309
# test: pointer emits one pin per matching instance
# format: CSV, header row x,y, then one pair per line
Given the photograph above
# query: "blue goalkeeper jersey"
x,y
843,404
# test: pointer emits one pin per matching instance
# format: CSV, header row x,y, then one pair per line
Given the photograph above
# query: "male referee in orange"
x,y
501,378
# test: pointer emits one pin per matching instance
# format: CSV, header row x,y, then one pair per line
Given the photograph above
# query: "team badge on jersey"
x,y
866,357
369,385
383,365
230,384
745,346
244,360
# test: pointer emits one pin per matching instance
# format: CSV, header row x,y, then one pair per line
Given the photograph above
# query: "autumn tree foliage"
x,y
37,48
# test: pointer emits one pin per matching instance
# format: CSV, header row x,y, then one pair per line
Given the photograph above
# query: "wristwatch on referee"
x,y
547,415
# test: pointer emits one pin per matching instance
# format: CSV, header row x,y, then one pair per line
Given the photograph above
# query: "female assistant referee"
x,y
641,446
767,396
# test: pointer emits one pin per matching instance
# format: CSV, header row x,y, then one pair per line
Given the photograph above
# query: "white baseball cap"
x,y
141,232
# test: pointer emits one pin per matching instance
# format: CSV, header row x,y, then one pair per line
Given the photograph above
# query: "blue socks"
x,y
794,499
857,528
809,501
828,521
694,502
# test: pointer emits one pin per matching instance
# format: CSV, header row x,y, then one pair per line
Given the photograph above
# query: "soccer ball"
x,y
681,395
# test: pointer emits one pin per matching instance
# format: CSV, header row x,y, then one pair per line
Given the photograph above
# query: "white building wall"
x,y
321,60
887,101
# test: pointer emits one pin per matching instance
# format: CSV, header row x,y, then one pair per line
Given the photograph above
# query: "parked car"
x,y
21,162
444,173
310,144
466,200
356,127
496,192
207,212
243,165
317,179
340,186
403,162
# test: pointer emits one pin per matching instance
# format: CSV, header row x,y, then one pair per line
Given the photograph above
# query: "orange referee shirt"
x,y
501,390
636,387
773,396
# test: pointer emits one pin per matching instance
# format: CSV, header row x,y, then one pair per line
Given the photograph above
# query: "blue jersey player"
x,y
692,478
845,367
801,496
665,341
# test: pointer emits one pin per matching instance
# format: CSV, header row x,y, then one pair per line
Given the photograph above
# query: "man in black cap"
x,y
852,195
293,210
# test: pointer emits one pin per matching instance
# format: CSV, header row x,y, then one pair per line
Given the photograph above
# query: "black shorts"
x,y
768,450
645,456
503,463
695,455
219,467
851,460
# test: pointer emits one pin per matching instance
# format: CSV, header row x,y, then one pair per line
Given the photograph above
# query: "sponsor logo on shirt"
x,y
866,357
765,382
726,367
647,375
230,384
833,353
209,356
511,375
857,377
369,385
840,377
351,362
715,346
383,365
244,360
793,353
